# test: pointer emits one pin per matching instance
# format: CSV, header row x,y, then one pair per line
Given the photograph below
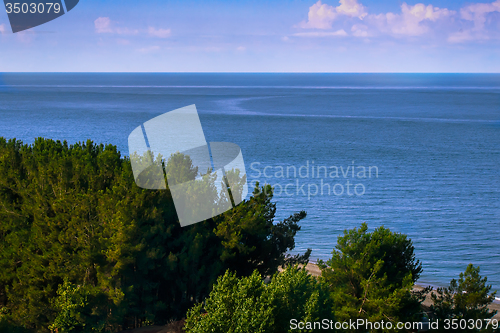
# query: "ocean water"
x,y
425,148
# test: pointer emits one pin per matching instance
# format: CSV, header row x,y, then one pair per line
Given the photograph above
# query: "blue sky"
x,y
260,36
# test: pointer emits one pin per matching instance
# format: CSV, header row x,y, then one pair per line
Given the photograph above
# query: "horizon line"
x,y
228,72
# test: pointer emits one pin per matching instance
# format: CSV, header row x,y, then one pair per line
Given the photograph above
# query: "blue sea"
x,y
424,148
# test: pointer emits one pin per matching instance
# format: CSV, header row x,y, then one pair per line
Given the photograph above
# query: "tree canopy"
x,y
79,239
248,305
466,300
371,276
84,249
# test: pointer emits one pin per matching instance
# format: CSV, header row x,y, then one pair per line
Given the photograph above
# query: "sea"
x,y
416,153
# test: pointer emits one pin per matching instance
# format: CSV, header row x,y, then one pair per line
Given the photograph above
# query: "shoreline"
x,y
313,269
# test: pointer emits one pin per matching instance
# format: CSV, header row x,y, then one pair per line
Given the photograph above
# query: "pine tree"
x,y
465,301
73,214
371,276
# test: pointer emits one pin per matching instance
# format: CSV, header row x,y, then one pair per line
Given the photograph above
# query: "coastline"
x,y
314,270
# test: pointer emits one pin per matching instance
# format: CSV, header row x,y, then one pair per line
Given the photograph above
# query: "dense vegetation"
x,y
83,248
249,305
372,274
465,300
369,279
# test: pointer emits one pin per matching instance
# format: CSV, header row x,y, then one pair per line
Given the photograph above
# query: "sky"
x,y
260,36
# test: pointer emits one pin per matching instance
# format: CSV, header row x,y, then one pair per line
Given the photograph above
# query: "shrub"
x,y
249,305
466,300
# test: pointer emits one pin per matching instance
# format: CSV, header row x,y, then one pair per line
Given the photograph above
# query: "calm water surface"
x,y
432,142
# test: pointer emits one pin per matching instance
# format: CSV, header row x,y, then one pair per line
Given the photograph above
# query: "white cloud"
x,y
321,16
351,8
478,21
161,33
2,29
412,20
241,48
478,13
338,33
360,30
104,25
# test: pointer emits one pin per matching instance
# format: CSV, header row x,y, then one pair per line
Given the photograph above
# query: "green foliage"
x,y
234,177
249,305
179,169
74,213
6,325
371,275
465,299
249,234
78,309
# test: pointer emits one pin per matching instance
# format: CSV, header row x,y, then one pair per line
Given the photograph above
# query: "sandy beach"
x,y
314,270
